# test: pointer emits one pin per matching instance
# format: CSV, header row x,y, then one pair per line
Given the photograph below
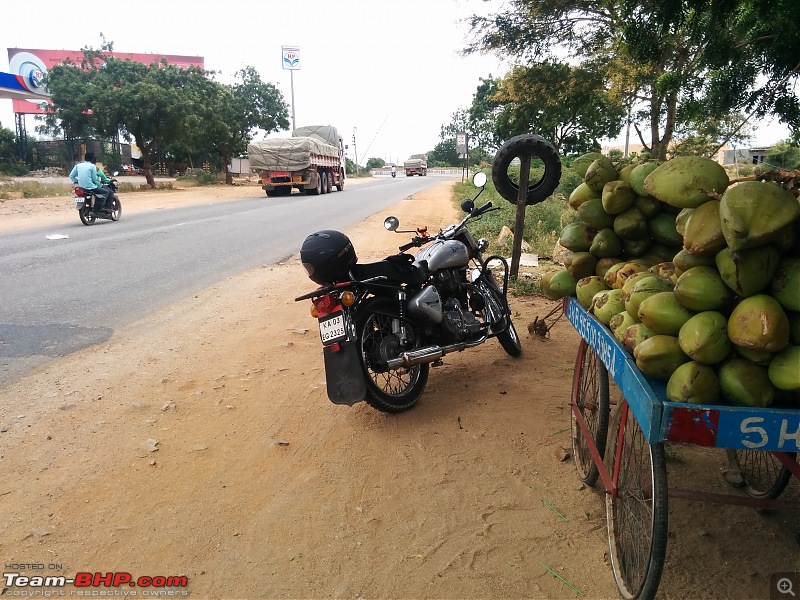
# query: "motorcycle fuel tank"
x,y
444,254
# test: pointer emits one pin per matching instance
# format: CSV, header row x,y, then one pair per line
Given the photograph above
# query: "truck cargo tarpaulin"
x,y
288,154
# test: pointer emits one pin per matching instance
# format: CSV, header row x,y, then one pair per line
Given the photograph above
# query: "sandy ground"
x,y
202,444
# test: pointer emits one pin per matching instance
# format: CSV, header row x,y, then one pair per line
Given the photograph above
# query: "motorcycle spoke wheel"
x,y
87,218
392,390
116,210
764,475
590,397
507,336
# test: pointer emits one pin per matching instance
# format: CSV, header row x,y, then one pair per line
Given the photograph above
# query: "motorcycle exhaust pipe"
x,y
428,354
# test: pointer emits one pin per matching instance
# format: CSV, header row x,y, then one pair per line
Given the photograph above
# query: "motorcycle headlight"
x,y
483,244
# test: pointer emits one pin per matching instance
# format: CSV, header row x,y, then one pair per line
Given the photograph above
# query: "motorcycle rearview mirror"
x,y
467,205
479,179
391,223
115,173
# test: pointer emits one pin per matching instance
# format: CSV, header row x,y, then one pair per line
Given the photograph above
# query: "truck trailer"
x,y
312,160
417,164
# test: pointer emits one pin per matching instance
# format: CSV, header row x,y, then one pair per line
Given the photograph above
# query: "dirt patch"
x,y
202,443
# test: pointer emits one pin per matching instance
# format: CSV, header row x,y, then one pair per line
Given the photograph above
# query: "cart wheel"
x,y
590,395
637,512
764,475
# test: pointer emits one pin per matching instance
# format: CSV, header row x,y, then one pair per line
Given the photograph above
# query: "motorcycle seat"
x,y
394,269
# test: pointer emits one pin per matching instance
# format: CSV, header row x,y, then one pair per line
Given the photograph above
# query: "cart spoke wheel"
x,y
590,395
764,475
637,513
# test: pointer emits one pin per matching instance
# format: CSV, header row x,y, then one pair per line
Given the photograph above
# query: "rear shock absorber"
x,y
398,325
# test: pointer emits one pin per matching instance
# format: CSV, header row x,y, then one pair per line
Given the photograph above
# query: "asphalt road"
x,y
57,296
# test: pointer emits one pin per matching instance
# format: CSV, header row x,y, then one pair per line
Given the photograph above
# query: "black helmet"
x,y
328,256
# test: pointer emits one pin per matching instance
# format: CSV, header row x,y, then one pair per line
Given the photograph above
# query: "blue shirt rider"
x,y
84,175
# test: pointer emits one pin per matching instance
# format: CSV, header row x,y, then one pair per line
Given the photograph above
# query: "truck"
x,y
311,160
417,164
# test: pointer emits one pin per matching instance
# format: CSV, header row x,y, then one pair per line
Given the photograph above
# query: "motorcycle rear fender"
x,y
343,375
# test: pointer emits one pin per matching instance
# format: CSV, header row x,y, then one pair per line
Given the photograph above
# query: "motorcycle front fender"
x,y
343,374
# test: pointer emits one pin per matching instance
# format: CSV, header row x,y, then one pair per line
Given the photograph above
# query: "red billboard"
x,y
32,65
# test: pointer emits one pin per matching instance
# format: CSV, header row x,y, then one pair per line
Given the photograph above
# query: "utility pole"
x,y
355,149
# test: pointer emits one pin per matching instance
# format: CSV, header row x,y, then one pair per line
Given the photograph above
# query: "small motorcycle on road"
x,y
85,202
382,324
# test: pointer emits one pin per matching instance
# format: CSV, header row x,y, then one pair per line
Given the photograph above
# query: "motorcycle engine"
x,y
459,324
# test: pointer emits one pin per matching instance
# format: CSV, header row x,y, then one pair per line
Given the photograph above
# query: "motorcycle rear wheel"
x,y
116,209
87,218
390,391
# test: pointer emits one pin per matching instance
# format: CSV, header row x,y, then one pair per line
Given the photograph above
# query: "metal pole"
x,y
291,78
355,149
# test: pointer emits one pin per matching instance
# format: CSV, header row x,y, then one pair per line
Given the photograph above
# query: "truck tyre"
x,y
272,193
329,186
316,191
537,147
340,183
323,177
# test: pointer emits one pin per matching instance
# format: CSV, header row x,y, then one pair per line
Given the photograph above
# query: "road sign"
x,y
291,57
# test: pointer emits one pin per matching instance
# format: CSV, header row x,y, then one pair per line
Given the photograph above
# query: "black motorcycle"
x,y
382,324
86,203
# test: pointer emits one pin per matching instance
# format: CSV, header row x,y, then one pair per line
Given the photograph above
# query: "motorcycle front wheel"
x,y
508,337
87,218
116,209
390,391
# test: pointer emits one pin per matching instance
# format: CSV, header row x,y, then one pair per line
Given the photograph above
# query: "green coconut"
x,y
752,212
619,324
631,281
685,260
666,270
636,248
681,219
631,224
618,274
577,237
663,314
785,286
748,272
642,289
703,232
625,173
649,206
604,264
704,338
686,181
606,244
558,285
693,383
784,370
638,175
586,289
581,164
581,195
662,230
659,356
592,214
606,304
580,264
701,289
618,197
785,238
599,173
634,335
760,357
759,323
743,383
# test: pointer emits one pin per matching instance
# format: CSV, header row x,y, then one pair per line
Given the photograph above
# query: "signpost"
x,y
462,149
291,61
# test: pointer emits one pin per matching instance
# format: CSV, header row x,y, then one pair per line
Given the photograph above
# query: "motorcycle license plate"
x,y
79,202
331,329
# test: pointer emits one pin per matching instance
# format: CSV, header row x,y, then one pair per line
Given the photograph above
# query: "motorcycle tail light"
x,y
324,305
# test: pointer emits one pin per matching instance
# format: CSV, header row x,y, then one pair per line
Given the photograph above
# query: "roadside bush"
x,y
14,169
202,178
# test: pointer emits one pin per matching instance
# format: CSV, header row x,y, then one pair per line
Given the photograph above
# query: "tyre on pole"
x,y
533,146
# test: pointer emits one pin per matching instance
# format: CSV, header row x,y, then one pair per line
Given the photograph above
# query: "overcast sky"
x,y
390,72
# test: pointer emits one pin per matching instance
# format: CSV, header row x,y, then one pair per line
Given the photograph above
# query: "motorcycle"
x,y
383,324
85,202
394,174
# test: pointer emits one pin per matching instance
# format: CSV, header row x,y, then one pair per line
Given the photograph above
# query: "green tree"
x,y
8,146
375,163
673,62
227,117
784,155
567,105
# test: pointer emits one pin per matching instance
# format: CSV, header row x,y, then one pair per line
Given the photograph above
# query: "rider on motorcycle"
x,y
394,170
84,175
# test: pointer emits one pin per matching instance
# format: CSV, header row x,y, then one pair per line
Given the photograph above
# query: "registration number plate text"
x,y
331,328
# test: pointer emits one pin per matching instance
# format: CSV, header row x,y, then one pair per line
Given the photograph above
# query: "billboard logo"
x,y
291,57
